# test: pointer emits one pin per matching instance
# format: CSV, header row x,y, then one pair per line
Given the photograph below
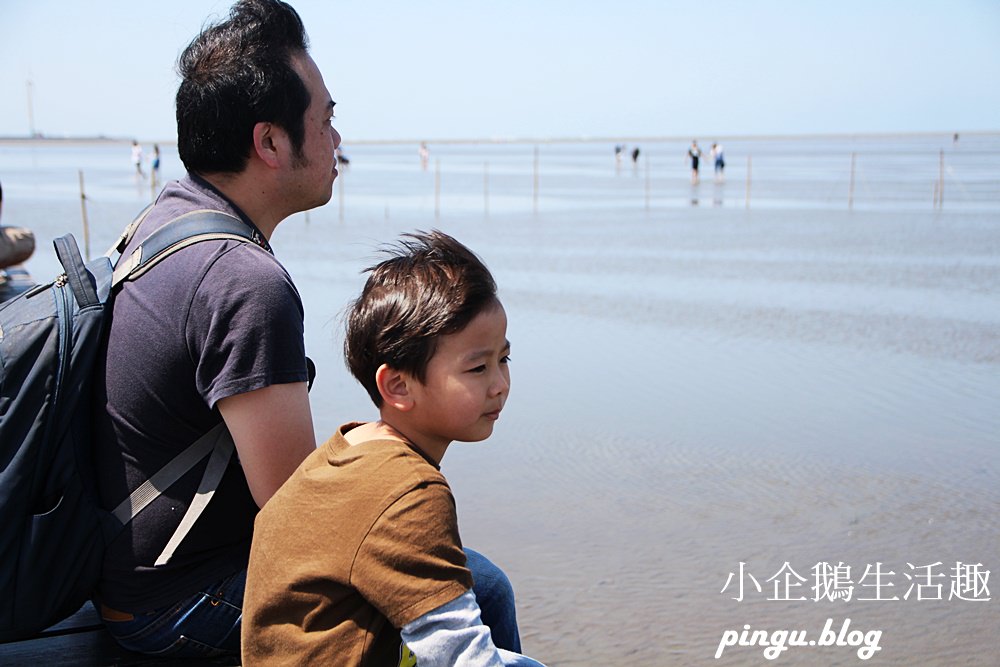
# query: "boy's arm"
x,y
411,568
454,634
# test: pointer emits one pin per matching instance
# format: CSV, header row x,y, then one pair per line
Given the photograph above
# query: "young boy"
x,y
357,560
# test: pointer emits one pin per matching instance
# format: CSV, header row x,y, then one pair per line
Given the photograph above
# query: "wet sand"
x,y
697,387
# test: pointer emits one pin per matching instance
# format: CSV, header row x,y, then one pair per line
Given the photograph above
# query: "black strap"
x,y
80,280
190,225
201,225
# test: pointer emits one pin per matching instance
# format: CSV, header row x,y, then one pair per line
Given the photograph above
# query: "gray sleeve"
x,y
454,635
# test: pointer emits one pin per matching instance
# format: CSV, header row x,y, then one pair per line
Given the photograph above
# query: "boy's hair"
x,y
235,74
430,286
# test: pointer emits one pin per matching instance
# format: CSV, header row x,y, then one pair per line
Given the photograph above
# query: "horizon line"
x,y
100,138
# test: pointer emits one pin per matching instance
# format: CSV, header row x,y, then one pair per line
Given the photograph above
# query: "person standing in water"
x,y
425,155
694,154
720,162
137,159
155,165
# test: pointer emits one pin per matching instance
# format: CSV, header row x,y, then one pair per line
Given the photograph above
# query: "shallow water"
x,y
762,387
693,387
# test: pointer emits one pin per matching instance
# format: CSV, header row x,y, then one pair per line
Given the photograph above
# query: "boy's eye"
x,y
504,360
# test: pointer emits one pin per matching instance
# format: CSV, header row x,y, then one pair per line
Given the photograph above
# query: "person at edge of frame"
x,y
17,244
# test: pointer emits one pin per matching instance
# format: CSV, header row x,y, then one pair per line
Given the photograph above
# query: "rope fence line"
x,y
862,179
542,178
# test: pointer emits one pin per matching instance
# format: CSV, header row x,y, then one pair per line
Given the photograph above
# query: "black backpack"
x,y
53,531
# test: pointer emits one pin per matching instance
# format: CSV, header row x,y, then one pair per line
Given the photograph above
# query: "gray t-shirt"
x,y
216,319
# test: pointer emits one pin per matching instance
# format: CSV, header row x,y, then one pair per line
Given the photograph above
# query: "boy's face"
x,y
466,385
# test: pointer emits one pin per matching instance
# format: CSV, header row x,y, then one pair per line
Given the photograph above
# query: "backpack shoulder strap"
x,y
219,443
222,452
126,236
167,475
190,228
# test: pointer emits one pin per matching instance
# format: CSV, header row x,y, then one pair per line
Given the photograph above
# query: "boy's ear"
x,y
394,387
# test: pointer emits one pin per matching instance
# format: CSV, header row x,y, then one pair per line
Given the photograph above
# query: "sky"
x,y
467,69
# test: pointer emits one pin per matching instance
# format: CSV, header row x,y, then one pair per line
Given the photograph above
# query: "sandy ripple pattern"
x,y
695,392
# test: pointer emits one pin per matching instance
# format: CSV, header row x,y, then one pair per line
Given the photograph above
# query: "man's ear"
x,y
267,139
394,387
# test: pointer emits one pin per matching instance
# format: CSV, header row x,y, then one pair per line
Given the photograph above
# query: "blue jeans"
x,y
496,601
207,624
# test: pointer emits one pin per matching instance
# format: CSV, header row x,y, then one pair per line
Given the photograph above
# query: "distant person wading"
x,y
719,161
694,155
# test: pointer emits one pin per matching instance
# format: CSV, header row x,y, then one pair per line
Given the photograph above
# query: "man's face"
x,y
314,168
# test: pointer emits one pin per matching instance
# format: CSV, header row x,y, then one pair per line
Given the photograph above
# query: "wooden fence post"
x,y
437,188
340,196
83,213
940,190
534,198
850,191
486,188
647,181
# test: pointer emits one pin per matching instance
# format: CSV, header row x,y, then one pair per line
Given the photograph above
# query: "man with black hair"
x,y
215,335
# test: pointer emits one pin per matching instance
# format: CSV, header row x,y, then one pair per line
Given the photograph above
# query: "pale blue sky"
x,y
536,68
